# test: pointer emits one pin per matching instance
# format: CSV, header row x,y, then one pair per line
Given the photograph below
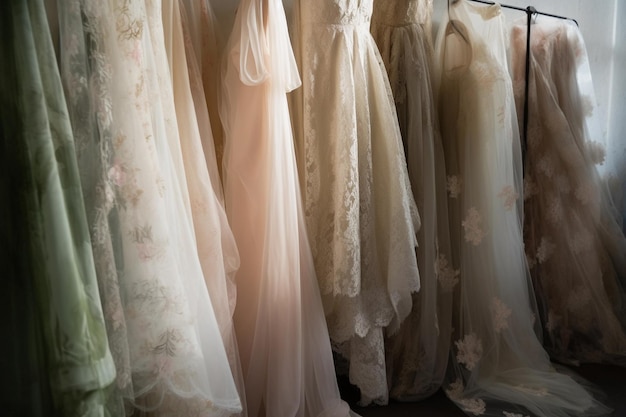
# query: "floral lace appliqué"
x,y
470,350
545,250
584,193
555,210
147,248
546,166
446,275
596,151
454,186
472,225
508,196
500,314
474,406
455,391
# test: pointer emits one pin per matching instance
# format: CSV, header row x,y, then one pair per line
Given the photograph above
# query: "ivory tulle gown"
x,y
574,244
498,365
418,354
175,361
360,212
283,340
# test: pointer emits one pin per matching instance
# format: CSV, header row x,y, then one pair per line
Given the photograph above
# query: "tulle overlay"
x,y
195,229
284,344
417,355
361,215
498,364
156,188
574,243
68,367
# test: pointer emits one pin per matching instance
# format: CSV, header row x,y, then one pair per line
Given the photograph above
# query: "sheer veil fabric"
x,y
203,46
361,216
574,243
418,354
279,320
214,239
175,364
50,286
498,365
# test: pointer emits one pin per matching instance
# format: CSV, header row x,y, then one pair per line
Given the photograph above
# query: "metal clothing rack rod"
x,y
530,11
522,9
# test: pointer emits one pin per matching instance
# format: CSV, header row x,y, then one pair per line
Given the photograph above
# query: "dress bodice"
x,y
337,12
401,12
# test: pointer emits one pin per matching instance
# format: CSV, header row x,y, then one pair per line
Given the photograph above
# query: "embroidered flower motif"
x,y
597,153
136,54
109,194
117,175
584,193
555,210
470,350
545,250
454,186
508,195
115,314
472,225
455,391
446,275
500,314
147,249
474,406
587,104
546,166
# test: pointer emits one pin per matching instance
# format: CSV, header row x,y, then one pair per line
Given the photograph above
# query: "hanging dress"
x,y
216,246
57,359
574,244
176,357
498,365
360,213
418,354
279,320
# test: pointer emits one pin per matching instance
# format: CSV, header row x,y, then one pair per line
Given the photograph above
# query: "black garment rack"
x,y
530,11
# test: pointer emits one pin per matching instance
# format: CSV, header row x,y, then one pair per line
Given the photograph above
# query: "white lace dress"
x,y
360,213
574,243
418,354
279,319
175,363
498,365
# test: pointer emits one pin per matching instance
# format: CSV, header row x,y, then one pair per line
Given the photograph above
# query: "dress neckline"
x,y
485,11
